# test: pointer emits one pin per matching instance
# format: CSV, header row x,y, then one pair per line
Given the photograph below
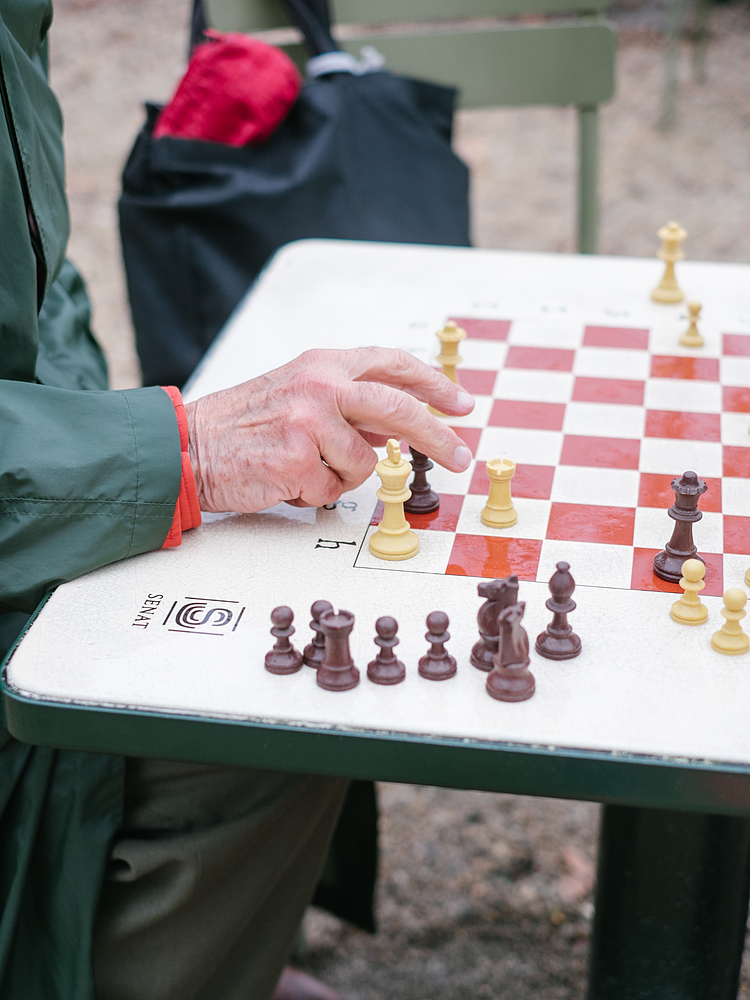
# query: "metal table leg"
x,y
671,905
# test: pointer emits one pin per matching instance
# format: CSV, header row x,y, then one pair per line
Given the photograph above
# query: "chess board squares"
x,y
644,578
683,395
483,329
736,344
603,487
734,569
551,359
654,490
445,518
434,551
531,481
735,399
600,452
603,525
658,454
737,534
736,462
686,426
527,385
560,333
702,369
479,382
598,362
494,557
470,437
734,429
481,355
653,527
735,496
479,416
535,447
735,370
531,415
595,565
606,419
445,482
629,338
608,390
532,521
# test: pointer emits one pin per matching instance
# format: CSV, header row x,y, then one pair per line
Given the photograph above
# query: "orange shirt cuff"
x,y
187,512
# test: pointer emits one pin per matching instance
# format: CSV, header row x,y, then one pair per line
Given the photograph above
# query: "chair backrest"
x,y
492,64
463,43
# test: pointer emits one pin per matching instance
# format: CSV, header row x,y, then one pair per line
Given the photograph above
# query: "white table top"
x,y
642,684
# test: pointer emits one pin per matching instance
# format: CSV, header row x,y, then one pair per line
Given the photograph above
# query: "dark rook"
x,y
337,671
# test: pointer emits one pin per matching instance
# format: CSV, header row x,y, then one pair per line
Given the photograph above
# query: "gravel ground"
x,y
480,895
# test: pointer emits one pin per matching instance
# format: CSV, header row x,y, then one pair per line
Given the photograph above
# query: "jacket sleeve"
x,y
86,478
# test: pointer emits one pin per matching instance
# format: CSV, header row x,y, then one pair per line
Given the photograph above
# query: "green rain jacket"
x,y
88,476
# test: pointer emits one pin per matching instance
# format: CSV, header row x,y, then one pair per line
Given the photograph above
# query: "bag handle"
x,y
313,18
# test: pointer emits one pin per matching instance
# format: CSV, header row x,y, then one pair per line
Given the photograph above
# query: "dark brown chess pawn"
x,y
511,679
559,641
337,671
423,499
437,664
313,652
386,668
283,658
500,594
684,512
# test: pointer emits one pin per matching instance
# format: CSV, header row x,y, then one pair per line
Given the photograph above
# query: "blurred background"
x,y
480,895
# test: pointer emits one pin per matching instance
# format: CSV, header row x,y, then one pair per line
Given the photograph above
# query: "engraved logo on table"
x,y
204,616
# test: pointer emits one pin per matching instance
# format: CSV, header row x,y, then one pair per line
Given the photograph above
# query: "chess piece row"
x,y
329,653
690,610
502,649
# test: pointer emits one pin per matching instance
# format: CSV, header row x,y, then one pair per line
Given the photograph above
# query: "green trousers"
x,y
208,879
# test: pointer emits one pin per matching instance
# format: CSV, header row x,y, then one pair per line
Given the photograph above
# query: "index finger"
x,y
380,409
402,370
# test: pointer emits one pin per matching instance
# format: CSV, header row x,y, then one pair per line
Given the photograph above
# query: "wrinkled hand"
x,y
304,432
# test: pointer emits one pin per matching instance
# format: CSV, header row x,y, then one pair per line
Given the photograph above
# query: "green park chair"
x,y
567,59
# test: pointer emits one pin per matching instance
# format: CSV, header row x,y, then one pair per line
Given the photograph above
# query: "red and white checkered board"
x,y
599,420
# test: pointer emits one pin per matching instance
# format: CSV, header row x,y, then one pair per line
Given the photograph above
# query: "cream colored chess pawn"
x,y
450,337
692,337
689,610
499,511
730,639
747,578
394,539
671,236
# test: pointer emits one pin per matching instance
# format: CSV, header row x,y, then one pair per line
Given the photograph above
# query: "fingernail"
x,y
462,457
463,399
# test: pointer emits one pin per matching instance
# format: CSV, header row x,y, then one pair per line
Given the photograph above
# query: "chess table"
x,y
579,378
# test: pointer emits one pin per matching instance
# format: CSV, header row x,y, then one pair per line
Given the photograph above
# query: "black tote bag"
x,y
360,157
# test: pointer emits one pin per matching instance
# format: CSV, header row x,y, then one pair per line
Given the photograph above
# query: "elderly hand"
x,y
304,432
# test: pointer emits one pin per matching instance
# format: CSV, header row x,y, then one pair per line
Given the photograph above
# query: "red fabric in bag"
x,y
236,90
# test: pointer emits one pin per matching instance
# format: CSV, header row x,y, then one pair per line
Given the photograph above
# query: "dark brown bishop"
x,y
559,641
